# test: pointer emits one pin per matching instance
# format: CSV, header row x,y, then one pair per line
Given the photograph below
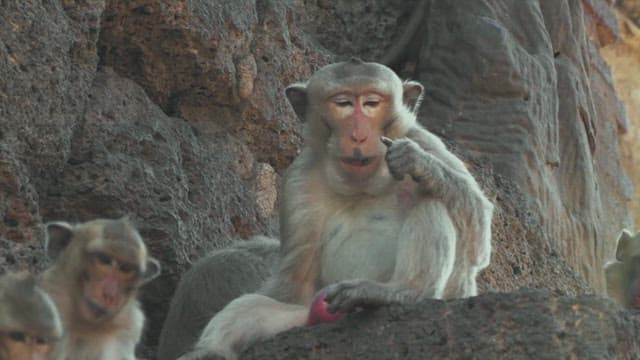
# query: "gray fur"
x,y
209,285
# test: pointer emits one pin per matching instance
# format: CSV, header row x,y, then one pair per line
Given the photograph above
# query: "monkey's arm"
x,y
301,220
440,174
425,158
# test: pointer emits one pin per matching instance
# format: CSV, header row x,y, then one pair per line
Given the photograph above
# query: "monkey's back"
x,y
209,285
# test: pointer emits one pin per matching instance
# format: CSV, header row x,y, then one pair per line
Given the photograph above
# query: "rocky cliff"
x,y
623,56
173,112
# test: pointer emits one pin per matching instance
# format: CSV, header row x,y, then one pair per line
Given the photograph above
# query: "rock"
x,y
526,324
490,77
631,9
624,59
47,61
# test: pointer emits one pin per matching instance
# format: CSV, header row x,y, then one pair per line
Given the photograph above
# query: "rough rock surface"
x,y
631,8
521,325
624,58
173,112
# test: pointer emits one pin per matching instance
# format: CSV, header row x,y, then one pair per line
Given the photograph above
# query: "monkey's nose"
x,y
359,136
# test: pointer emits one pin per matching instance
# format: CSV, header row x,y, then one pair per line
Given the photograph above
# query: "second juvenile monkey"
x,y
374,210
30,327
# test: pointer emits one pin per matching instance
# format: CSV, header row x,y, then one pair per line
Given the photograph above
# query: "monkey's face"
x,y
109,281
357,118
18,344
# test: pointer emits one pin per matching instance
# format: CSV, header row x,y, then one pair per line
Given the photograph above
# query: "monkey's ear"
x,y
297,96
152,271
58,236
625,242
412,95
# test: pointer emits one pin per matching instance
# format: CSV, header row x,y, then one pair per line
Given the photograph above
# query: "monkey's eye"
x,y
342,102
372,102
17,336
127,268
102,258
41,341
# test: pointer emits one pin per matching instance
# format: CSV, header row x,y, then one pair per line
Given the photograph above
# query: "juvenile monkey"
x,y
210,284
374,210
623,275
98,267
30,326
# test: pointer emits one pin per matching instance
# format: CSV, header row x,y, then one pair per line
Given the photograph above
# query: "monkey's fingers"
x,y
385,140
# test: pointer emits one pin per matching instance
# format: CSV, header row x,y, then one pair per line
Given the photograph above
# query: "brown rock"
x,y
624,59
522,325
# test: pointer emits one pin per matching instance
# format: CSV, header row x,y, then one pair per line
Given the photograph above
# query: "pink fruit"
x,y
318,312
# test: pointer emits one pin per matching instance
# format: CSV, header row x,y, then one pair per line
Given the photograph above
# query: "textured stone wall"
x,y
624,58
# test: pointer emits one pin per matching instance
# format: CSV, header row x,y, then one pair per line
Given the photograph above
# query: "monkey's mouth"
x,y
359,166
96,310
358,161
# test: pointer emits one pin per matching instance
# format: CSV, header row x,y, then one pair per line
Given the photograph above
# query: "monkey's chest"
x,y
361,246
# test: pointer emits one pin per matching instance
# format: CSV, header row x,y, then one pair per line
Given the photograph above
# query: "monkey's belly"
x,y
360,248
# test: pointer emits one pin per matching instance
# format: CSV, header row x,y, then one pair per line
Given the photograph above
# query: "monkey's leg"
x,y
244,321
462,282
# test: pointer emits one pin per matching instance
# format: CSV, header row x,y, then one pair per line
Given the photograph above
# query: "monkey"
x,y
97,269
623,275
30,326
209,285
374,210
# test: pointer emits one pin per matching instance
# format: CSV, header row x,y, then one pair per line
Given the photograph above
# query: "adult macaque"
x,y
30,326
623,275
98,267
210,284
374,210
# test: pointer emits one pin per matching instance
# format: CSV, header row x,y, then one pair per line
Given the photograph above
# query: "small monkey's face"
x,y
18,344
100,264
109,282
30,325
357,118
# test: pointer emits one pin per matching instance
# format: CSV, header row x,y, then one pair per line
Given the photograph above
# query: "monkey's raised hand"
x,y
347,296
404,156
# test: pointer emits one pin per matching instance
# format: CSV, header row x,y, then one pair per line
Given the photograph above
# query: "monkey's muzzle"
x,y
358,161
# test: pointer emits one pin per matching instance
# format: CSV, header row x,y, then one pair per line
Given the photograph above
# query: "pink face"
x,y
358,119
318,313
109,284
